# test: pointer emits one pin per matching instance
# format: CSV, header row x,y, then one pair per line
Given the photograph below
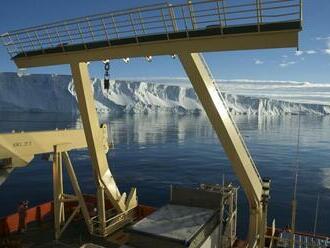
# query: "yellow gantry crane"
x,y
17,149
185,30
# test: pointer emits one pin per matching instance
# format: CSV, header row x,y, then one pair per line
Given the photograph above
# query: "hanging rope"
x,y
316,213
294,200
106,76
297,156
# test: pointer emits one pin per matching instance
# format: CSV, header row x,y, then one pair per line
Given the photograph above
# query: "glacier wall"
x,y
55,93
36,93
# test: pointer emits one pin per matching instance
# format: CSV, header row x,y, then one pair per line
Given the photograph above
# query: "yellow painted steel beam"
x,y
59,217
61,221
19,148
229,137
77,190
261,40
94,136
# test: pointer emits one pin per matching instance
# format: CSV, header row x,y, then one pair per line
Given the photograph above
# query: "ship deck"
x,y
40,228
40,233
42,236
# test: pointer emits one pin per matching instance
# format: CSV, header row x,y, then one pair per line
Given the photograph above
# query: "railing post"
x,y
219,17
224,12
141,22
38,39
191,13
164,22
133,27
90,28
81,36
49,37
114,26
19,42
59,39
31,40
105,31
185,22
259,14
173,18
301,10
66,28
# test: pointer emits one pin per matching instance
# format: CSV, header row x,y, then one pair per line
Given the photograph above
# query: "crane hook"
x,y
106,76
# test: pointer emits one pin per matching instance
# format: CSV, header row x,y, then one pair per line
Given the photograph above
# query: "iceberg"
x,y
36,93
55,93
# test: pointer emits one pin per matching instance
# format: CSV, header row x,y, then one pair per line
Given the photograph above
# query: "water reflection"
x,y
157,128
155,150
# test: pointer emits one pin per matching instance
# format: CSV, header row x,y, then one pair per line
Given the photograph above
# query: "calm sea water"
x,y
154,151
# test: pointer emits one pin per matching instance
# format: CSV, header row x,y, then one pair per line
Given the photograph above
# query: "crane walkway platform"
x,y
156,23
208,31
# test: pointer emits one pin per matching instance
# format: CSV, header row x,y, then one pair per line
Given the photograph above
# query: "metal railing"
x,y
150,20
301,241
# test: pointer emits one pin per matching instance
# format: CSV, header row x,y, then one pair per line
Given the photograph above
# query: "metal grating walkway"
x,y
155,23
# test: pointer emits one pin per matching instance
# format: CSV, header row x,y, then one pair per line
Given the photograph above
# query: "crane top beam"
x,y
215,25
17,149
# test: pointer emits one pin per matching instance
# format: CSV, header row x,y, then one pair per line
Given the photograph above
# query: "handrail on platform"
x,y
162,19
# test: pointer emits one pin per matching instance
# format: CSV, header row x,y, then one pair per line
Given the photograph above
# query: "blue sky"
x,y
312,63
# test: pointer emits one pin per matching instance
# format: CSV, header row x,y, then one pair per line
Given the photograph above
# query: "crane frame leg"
x,y
231,140
59,216
60,198
91,126
77,190
105,183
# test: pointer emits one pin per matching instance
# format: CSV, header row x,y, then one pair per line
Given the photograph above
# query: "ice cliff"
x,y
36,93
55,93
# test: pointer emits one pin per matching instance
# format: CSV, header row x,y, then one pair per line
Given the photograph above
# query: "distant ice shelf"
x,y
55,93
